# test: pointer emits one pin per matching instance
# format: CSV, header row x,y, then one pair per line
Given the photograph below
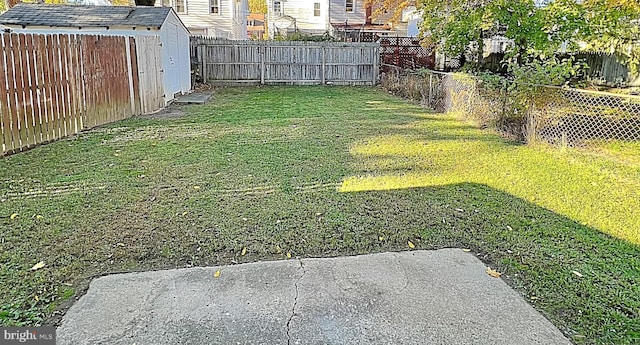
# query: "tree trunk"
x,y
480,58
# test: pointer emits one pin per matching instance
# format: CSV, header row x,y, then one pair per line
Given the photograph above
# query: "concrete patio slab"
x,y
419,297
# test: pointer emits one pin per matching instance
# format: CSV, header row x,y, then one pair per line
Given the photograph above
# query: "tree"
x,y
537,31
393,7
614,28
258,6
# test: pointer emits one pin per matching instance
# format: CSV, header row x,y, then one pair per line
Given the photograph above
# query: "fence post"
x,y
324,66
203,54
431,90
263,52
376,64
130,70
504,99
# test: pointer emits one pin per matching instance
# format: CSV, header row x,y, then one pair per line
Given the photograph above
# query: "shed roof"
x,y
83,16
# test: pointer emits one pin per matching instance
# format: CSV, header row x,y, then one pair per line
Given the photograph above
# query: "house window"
x,y
316,9
348,5
277,7
215,6
180,6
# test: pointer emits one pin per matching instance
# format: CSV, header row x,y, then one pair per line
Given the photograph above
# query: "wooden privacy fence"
x,y
58,85
223,62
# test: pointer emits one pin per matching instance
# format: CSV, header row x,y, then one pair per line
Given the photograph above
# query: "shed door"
x,y
174,56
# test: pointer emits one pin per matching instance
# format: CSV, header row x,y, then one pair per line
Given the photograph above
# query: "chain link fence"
x,y
559,116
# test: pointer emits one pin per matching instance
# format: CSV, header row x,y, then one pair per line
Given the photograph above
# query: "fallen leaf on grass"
x,y
278,249
196,187
288,255
217,274
380,238
577,273
493,273
39,217
244,251
459,210
184,213
466,250
120,244
14,216
411,245
37,298
38,266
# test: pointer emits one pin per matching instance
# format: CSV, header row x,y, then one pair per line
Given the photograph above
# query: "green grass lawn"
x,y
321,171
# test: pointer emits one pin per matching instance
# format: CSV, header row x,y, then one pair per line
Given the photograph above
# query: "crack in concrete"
x,y
404,273
295,303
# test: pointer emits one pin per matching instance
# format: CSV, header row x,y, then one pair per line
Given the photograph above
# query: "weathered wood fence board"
x,y
57,85
608,69
223,62
150,70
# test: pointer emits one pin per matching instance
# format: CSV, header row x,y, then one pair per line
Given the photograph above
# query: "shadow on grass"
x,y
268,162
585,281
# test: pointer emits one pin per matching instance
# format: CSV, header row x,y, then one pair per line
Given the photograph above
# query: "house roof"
x,y
256,16
83,16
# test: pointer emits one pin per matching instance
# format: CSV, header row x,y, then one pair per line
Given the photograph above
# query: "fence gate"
x,y
149,60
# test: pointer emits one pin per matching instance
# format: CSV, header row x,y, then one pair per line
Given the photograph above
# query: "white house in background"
x,y
306,16
212,18
343,19
160,23
411,18
352,21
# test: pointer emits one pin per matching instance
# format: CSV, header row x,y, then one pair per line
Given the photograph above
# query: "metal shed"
x,y
162,40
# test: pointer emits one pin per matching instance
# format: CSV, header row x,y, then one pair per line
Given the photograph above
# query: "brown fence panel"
x,y
58,85
12,92
6,80
88,50
31,90
64,92
40,103
19,75
53,94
